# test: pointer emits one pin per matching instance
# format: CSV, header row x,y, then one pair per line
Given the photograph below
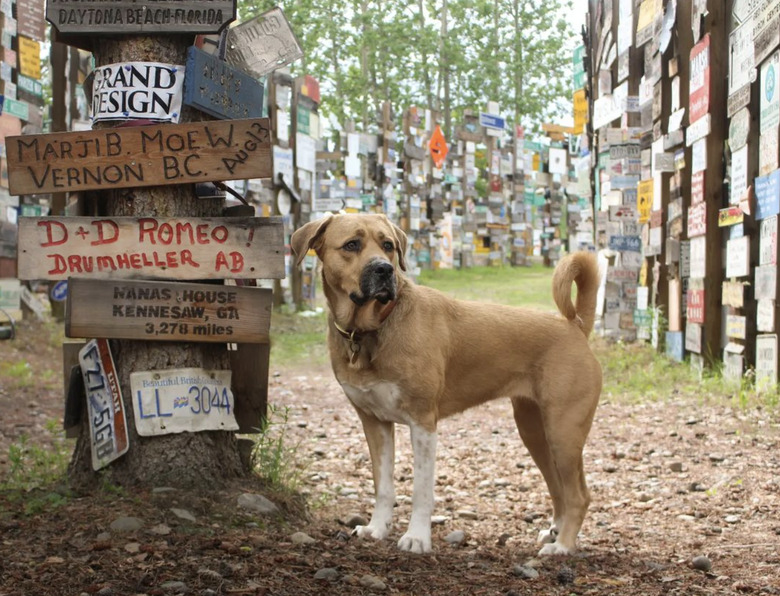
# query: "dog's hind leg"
x,y
418,537
566,432
380,436
528,418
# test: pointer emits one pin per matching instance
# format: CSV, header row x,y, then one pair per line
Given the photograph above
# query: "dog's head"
x,y
358,252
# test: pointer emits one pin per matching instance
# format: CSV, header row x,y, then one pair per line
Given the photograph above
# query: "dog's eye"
x,y
388,246
352,246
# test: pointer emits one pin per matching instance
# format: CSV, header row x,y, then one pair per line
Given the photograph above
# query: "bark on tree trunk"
x,y
204,460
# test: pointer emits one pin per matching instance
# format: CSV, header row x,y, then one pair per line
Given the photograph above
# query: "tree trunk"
x,y
184,460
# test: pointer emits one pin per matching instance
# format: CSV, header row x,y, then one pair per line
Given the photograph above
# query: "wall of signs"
x,y
685,125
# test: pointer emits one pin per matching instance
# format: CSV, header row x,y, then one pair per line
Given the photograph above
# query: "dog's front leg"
x,y
380,436
418,537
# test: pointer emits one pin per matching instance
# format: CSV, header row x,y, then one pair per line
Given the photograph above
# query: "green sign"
x,y
30,85
532,146
19,109
578,67
304,120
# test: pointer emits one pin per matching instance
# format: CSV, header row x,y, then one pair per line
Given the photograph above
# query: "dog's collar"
x,y
354,336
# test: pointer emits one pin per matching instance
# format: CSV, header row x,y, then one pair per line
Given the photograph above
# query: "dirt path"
x,y
670,481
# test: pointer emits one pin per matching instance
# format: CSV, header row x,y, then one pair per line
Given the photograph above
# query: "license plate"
x,y
107,423
182,400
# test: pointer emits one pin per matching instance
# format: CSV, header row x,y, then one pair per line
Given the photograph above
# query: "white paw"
x,y
554,548
415,544
378,532
547,536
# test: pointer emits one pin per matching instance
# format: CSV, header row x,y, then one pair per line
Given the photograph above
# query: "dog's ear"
x,y
304,237
400,245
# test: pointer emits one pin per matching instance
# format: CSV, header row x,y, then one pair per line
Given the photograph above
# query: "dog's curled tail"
x,y
581,268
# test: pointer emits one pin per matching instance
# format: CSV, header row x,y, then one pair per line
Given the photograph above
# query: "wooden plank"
x,y
139,156
167,311
151,247
249,363
215,87
129,17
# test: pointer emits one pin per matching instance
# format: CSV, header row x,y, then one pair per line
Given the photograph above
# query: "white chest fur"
x,y
383,400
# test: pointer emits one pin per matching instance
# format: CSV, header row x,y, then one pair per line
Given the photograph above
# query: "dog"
x,y
409,354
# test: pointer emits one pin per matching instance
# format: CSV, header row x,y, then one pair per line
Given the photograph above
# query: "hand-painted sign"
x,y
730,216
106,410
697,220
129,17
150,247
167,311
738,257
700,79
765,315
215,87
262,44
739,128
766,282
693,337
736,326
767,254
182,400
733,294
695,301
137,91
768,195
139,156
766,361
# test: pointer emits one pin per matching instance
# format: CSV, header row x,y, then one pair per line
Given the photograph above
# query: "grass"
x,y
273,457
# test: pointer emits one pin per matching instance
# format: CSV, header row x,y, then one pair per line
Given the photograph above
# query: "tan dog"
x,y
410,355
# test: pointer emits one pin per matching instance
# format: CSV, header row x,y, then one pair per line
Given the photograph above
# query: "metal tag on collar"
x,y
354,347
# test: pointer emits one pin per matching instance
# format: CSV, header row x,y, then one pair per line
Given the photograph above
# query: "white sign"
x,y
698,257
557,161
10,297
737,257
693,337
182,400
770,93
283,164
766,282
699,156
105,408
742,63
766,360
768,242
305,152
698,130
739,174
765,315
768,147
137,91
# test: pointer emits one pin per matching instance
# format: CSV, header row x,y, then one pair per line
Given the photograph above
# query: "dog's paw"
x,y
415,544
554,548
370,531
547,536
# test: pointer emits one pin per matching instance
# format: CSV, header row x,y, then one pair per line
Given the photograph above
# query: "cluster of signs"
x,y
638,165
111,264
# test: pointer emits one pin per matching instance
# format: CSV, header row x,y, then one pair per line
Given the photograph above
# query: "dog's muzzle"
x,y
377,282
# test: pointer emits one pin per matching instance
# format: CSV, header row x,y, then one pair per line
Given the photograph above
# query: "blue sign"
x,y
60,291
491,121
768,195
674,345
625,243
213,86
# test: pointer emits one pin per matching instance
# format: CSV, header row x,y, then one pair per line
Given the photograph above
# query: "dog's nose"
x,y
384,269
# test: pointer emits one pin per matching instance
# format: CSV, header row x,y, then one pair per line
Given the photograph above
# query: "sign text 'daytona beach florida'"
x,y
139,156
151,247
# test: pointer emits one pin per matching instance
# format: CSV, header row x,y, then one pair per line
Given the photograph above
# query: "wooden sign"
x,y
182,400
29,18
733,294
139,156
262,44
130,17
106,410
167,311
216,88
137,91
151,247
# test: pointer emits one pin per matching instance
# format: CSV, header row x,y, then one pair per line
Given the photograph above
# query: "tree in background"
x,y
448,55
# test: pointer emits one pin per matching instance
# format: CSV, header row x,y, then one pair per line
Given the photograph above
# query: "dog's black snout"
x,y
384,269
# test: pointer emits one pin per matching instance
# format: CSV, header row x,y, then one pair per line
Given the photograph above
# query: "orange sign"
x,y
438,146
